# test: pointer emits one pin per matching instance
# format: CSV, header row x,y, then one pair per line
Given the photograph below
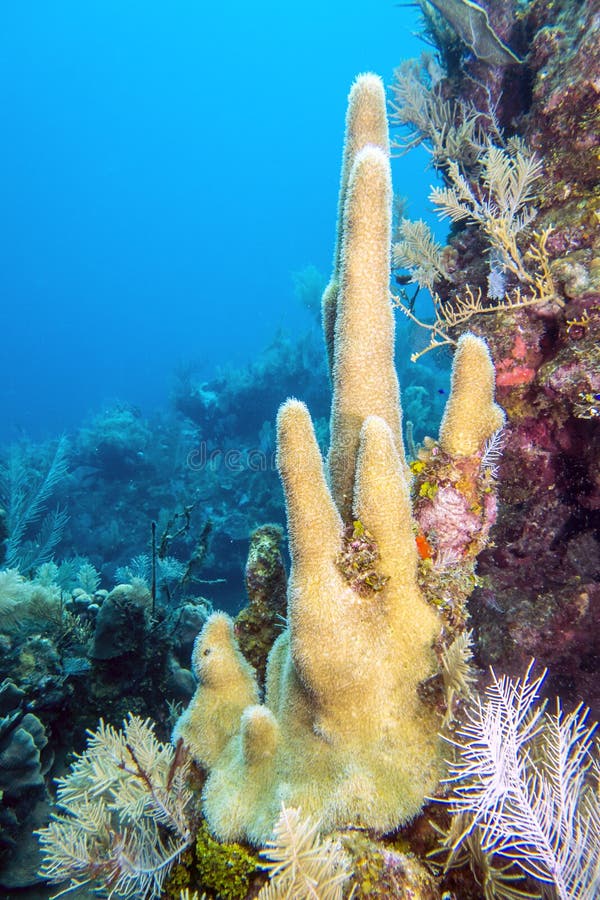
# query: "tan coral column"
x,y
364,377
471,416
366,123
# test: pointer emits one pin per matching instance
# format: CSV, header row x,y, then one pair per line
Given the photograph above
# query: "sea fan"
x,y
88,578
420,253
498,878
457,673
302,866
125,818
138,569
47,573
492,453
528,781
507,175
25,492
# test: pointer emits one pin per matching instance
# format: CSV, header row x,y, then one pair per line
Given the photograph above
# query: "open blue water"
x,y
164,168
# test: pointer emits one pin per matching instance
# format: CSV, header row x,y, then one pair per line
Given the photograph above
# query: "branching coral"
x,y
459,310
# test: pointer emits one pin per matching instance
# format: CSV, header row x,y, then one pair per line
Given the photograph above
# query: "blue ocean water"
x,y
165,167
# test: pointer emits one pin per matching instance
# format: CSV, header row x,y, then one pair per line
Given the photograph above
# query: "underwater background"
x,y
169,181
165,170
166,237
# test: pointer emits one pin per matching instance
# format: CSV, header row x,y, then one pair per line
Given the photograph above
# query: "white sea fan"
x,y
138,569
125,814
170,569
492,453
528,781
508,175
301,866
47,574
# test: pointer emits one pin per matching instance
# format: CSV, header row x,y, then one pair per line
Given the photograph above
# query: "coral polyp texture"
x,y
347,730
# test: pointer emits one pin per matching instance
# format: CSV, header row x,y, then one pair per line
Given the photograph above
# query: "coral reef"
x,y
67,658
344,732
543,576
131,656
538,594
381,871
318,707
115,441
242,401
22,742
126,470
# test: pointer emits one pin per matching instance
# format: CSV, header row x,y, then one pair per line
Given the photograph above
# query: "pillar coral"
x,y
344,731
